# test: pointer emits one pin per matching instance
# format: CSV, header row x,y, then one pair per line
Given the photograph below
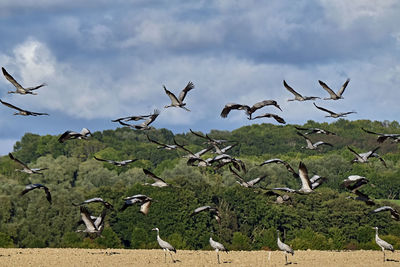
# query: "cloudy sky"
x,y
105,59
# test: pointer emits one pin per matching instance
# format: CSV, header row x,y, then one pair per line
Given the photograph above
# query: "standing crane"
x,y
218,247
285,248
165,246
382,243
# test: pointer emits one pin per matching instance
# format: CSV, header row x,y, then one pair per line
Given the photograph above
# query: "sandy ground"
x,y
125,257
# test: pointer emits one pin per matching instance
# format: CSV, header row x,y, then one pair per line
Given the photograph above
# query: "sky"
x,y
108,59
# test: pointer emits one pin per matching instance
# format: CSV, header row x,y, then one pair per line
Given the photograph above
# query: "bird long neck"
x,y
376,232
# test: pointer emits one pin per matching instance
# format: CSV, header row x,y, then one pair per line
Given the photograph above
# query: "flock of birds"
x,y
95,225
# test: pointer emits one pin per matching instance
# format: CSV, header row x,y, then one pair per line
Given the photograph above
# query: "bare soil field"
x,y
124,257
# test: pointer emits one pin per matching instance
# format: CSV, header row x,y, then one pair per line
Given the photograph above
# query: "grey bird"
x,y
30,187
393,213
158,182
249,110
332,94
313,146
144,125
285,248
382,243
96,200
117,163
67,135
93,226
161,145
247,184
314,131
21,111
333,114
363,157
19,89
213,211
382,137
178,101
143,200
298,96
164,245
218,247
25,168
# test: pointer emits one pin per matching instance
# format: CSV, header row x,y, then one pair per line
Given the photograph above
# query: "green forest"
x,y
325,220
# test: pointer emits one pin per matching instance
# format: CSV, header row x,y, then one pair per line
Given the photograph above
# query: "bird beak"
x,y
279,107
153,229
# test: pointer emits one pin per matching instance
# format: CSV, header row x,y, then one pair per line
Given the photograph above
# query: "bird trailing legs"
x,y
218,256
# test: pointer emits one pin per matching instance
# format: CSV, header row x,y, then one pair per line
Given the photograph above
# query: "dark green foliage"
x,y
326,219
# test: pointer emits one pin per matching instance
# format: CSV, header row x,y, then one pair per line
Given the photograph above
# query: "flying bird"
x,y
270,115
363,157
96,200
218,247
314,131
92,226
158,182
165,246
298,96
116,163
393,213
279,161
26,169
332,94
161,145
19,89
193,157
143,200
333,114
249,110
213,211
382,137
144,125
30,187
74,135
285,248
382,243
247,184
21,111
354,183
178,101
312,146
210,140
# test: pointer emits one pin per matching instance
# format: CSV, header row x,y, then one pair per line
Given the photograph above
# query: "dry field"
x,y
124,257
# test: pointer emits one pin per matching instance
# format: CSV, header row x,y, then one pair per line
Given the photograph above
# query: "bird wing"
x,y
371,153
341,91
182,147
322,143
228,107
309,143
154,141
18,161
185,90
324,109
36,113
171,96
370,132
290,89
203,151
30,187
286,189
347,113
270,115
11,79
48,195
200,209
12,106
197,134
329,90
261,104
256,180
152,118
144,208
87,220
356,154
99,159
303,173
237,175
153,176
99,220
